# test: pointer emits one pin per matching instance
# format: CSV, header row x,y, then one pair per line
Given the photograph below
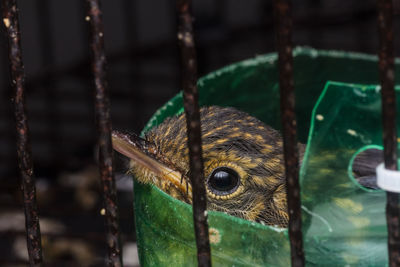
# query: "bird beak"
x,y
144,156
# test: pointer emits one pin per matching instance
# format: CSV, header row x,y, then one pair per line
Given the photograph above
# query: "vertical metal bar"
x,y
283,32
102,113
9,155
386,71
11,23
191,105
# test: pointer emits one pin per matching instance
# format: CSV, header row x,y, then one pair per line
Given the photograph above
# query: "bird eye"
x,y
223,181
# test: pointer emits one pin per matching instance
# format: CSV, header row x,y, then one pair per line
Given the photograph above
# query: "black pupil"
x,y
223,180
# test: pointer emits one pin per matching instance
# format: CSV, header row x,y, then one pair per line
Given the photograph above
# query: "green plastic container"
x,y
338,112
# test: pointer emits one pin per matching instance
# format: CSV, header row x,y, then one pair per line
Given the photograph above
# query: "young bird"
x,y
243,163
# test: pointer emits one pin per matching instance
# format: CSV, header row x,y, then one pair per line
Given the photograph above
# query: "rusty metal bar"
x,y
191,105
11,23
102,113
283,33
386,73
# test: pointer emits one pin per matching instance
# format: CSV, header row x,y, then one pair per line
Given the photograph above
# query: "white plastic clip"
x,y
388,180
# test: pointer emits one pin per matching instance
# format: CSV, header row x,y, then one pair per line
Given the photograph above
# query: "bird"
x,y
243,163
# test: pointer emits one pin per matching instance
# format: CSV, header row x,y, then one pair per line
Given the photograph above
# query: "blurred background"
x,y
143,73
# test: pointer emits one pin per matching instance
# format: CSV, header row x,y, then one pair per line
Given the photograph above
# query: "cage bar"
x,y
102,113
283,33
11,23
386,73
192,111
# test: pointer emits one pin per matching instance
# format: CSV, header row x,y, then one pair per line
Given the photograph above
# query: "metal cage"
x,y
283,33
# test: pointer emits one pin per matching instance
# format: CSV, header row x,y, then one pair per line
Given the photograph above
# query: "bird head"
x,y
243,163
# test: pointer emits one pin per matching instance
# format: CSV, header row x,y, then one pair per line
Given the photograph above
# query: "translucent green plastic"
x,y
343,224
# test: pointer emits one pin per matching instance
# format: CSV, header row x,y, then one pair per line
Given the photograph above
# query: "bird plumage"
x,y
243,163
233,139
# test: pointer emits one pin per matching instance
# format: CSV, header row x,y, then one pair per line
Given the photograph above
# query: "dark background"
x,y
143,73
